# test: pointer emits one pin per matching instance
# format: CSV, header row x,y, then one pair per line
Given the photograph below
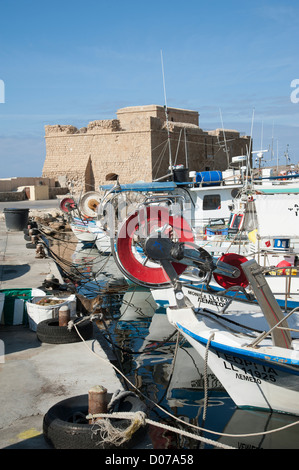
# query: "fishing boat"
x,y
83,220
258,365
79,221
221,208
272,243
204,197
81,229
282,275
254,356
265,227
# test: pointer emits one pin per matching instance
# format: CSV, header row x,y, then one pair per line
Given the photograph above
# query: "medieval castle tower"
x,y
137,146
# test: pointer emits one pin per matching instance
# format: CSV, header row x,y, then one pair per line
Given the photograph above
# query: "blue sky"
x,y
71,62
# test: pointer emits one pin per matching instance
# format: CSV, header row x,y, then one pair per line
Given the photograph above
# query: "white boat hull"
x,y
82,233
199,297
89,231
265,378
103,243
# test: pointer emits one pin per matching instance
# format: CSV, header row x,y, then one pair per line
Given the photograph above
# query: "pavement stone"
x,y
33,375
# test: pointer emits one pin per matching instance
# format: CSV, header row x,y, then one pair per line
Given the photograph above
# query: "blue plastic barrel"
x,y
209,178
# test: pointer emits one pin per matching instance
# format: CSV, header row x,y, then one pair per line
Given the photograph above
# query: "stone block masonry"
x,y
135,146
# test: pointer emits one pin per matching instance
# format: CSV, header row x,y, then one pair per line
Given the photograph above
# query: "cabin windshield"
x,y
211,202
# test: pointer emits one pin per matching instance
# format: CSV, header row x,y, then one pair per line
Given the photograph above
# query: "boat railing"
x,y
169,199
278,179
263,335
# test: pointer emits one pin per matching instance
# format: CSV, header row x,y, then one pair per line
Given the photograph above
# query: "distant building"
x,y
136,147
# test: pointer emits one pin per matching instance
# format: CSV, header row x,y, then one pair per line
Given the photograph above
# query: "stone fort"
x,y
137,147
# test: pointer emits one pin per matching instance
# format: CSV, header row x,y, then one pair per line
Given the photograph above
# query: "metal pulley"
x,y
88,204
225,280
67,204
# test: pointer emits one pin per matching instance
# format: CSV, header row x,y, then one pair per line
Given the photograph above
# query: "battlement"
x,y
133,146
130,119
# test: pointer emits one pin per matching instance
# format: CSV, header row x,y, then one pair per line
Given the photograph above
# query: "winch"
x,y
153,247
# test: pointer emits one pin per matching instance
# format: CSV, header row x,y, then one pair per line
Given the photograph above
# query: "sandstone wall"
x,y
135,146
12,184
86,158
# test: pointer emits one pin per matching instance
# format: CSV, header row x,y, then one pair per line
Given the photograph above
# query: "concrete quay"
x,y
34,375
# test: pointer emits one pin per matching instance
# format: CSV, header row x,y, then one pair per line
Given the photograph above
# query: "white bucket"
x,y
37,313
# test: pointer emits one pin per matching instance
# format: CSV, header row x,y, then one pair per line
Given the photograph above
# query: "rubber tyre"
x,y
61,433
49,331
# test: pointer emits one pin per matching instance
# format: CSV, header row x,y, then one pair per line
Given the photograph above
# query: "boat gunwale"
x,y
257,355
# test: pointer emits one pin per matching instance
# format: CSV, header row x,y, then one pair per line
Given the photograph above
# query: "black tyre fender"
x,y
61,432
49,331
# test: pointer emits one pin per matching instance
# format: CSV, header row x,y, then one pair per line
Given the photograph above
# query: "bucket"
x,y
13,305
37,313
180,175
281,244
16,219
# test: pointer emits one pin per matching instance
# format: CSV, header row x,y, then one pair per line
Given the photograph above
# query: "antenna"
x,y
286,155
166,115
163,76
186,148
226,149
249,150
272,149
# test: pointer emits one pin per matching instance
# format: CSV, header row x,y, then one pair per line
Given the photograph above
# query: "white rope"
x,y
206,377
116,435
140,419
262,433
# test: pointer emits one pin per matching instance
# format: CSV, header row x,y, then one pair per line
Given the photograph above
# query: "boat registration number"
x,y
206,298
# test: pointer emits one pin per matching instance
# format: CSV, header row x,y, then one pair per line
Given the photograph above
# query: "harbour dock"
x,y
33,375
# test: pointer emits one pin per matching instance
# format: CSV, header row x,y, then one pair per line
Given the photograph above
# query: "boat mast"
x,y
186,149
224,138
249,150
166,115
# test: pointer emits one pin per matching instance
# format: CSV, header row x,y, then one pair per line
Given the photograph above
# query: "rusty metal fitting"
x,y
97,400
64,315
